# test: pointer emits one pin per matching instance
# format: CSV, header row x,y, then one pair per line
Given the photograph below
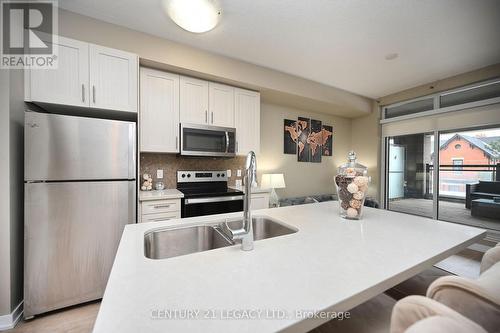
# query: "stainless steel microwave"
x,y
206,140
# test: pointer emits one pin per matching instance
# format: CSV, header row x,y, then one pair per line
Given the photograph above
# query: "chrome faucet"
x,y
246,233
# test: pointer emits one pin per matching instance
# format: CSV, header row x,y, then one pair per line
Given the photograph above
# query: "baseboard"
x,y
9,321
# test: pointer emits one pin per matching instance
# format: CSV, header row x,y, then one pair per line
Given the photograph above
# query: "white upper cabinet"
x,y
193,101
159,112
221,105
247,121
69,83
87,75
113,79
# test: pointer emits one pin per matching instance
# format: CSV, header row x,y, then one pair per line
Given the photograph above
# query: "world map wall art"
x,y
308,139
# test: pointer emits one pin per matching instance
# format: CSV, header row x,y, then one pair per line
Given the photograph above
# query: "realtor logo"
x,y
29,30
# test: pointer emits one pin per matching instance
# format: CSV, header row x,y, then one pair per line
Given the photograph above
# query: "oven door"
x,y
204,140
211,205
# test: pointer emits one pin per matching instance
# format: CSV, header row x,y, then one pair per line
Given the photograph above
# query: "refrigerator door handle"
x,y
132,152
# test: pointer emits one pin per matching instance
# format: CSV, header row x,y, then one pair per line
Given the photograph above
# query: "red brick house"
x,y
464,150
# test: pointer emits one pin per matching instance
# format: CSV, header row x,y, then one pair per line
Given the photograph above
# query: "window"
x,y
482,93
478,93
458,165
458,146
410,108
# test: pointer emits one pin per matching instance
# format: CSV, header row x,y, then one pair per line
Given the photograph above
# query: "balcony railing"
x,y
458,175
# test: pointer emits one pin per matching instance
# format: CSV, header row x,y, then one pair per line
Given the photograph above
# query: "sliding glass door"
x,y
469,177
410,174
466,188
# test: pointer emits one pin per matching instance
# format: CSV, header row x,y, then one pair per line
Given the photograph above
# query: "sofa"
x,y
369,202
481,190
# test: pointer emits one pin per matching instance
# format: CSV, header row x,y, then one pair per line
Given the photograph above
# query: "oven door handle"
x,y
227,142
212,199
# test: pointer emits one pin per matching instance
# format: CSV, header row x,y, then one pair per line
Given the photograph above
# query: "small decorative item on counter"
x,y
352,184
159,186
147,183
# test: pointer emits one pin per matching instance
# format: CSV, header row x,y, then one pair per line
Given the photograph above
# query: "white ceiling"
x,y
341,43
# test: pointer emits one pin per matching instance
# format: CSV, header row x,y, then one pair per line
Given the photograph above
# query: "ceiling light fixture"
x,y
193,15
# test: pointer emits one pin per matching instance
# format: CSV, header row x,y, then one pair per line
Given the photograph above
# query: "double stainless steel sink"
x,y
173,242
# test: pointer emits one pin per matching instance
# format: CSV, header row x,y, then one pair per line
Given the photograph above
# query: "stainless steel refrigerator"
x,y
80,192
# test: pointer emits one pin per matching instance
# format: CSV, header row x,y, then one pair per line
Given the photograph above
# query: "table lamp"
x,y
273,181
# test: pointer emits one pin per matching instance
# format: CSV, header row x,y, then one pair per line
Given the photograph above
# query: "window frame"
x,y
436,97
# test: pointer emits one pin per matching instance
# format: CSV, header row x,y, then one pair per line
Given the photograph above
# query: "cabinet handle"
x,y
93,94
83,93
212,117
176,142
161,206
206,116
161,219
237,149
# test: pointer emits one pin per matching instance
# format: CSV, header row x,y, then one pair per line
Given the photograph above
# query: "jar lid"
x,y
352,168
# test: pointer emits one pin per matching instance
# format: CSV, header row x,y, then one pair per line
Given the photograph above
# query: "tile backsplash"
x,y
170,163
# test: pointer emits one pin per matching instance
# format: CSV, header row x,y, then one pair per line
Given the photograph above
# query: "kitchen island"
x,y
329,264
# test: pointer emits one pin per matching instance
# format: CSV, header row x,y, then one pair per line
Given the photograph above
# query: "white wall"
x,y
301,178
366,143
169,55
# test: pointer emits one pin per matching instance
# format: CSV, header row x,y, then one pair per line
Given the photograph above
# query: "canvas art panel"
x,y
327,140
290,136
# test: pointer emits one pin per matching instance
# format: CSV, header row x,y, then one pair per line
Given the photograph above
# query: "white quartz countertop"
x,y
330,264
160,194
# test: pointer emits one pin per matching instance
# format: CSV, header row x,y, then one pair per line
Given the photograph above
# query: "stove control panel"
x,y
201,176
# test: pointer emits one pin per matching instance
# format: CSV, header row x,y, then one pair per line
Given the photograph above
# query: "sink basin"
x,y
173,242
167,243
264,227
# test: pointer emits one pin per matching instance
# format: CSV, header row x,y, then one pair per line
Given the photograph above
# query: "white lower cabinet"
x,y
160,210
160,217
259,200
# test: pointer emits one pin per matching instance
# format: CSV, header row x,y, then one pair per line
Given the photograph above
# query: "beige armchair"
x,y
419,314
454,304
478,300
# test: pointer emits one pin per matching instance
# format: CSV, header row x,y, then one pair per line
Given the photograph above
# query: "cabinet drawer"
x,y
160,206
259,201
160,217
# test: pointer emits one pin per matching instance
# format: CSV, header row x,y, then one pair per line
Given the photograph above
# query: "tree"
x,y
495,145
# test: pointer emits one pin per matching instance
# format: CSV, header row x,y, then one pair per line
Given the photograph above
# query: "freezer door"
x,y
61,147
72,232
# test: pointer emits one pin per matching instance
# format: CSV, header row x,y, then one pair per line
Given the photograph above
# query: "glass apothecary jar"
x,y
352,185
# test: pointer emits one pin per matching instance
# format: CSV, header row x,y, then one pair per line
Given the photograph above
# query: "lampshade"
x,y
273,180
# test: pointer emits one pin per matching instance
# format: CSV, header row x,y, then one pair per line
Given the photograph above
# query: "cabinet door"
x,y
259,200
159,113
113,79
69,83
193,101
221,105
247,121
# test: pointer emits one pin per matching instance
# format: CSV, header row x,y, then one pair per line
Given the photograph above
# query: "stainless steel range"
x,y
207,193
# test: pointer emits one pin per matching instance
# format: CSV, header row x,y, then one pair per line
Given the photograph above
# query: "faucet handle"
x,y
235,233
